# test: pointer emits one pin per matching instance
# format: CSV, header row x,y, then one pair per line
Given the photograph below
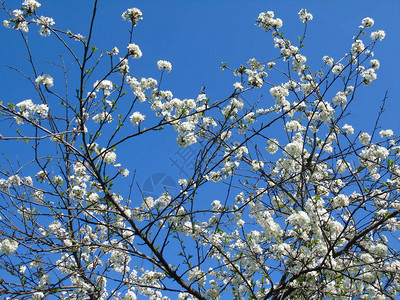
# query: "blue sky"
x,y
196,36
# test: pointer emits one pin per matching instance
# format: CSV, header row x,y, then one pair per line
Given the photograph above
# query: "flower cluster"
x,y
31,5
27,109
164,65
139,88
8,246
133,15
305,16
134,51
267,21
45,79
44,23
105,85
103,116
136,118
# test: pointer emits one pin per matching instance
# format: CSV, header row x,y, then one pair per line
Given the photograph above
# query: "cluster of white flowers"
x,y
386,133
123,66
299,219
149,284
357,47
134,51
371,156
340,98
130,295
340,201
66,264
37,296
328,60
254,75
255,65
299,63
19,21
337,69
375,64
257,165
139,87
164,65
280,93
348,129
272,146
105,85
45,79
133,15
294,125
28,8
367,22
368,76
267,21
136,118
379,34
184,114
108,157
12,180
79,179
250,117
57,229
44,23
233,108
342,166
198,275
8,246
305,16
103,116
119,258
31,4
365,138
287,49
27,109
294,149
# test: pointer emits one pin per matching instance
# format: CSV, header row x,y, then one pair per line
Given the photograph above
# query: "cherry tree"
x,y
310,208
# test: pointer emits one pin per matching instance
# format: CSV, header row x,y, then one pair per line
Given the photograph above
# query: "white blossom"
x,y
257,165
136,118
340,98
164,65
337,68
375,64
130,295
386,133
109,157
379,34
328,60
45,79
8,246
134,51
367,22
133,15
364,138
305,16
272,146
348,129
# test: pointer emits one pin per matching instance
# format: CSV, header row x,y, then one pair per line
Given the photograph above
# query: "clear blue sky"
x,y
196,36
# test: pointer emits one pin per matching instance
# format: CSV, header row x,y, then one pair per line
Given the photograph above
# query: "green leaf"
x,y
11,105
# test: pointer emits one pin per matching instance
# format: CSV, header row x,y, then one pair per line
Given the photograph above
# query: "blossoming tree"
x,y
311,206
